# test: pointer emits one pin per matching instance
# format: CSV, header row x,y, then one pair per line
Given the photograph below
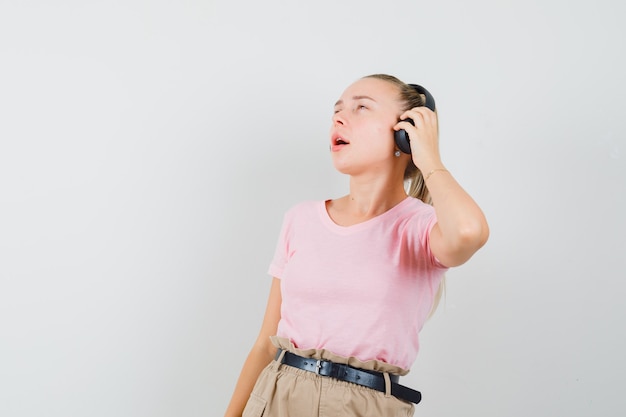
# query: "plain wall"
x,y
148,150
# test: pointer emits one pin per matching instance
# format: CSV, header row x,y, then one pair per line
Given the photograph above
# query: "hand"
x,y
424,137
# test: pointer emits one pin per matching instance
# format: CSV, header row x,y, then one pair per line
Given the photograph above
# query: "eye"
x,y
361,107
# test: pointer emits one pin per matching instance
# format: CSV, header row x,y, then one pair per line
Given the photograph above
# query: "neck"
x,y
374,197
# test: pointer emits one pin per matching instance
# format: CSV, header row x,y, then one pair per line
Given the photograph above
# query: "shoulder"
x,y
417,217
414,207
299,216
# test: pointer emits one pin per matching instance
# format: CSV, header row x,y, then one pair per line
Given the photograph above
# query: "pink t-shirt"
x,y
360,291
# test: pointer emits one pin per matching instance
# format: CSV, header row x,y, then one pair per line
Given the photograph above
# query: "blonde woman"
x,y
355,278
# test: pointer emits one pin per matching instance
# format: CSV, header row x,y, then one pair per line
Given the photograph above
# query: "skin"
x,y
365,116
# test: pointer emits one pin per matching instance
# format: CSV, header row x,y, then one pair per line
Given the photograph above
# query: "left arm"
x,y
461,227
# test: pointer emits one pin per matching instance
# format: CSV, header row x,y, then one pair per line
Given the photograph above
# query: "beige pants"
x,y
284,391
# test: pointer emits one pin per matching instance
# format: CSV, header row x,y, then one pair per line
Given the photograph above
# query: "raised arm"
x,y
461,227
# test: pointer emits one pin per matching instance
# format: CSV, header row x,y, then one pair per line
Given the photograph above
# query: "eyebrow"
x,y
355,98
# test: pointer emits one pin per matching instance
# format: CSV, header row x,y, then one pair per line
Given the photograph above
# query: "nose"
x,y
338,119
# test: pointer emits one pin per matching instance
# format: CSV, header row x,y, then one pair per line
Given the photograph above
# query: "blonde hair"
x,y
413,177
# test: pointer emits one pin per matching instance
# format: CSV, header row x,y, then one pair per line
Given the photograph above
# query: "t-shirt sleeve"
x,y
426,220
432,257
281,253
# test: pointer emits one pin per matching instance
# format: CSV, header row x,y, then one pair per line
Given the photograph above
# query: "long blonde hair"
x,y
413,177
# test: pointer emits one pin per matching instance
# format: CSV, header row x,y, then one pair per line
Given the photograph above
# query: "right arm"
x,y
261,354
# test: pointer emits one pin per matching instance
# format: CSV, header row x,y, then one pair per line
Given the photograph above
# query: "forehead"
x,y
379,90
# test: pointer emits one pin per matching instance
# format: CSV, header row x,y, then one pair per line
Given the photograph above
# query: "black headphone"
x,y
400,136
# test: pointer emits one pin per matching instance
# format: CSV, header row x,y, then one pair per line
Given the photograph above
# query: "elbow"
x,y
264,348
455,241
473,236
480,234
466,242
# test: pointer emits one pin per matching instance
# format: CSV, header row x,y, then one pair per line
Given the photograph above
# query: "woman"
x,y
356,277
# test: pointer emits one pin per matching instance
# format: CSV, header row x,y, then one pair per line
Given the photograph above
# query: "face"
x,y
361,136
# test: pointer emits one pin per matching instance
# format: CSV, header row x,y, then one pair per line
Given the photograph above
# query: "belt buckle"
x,y
318,366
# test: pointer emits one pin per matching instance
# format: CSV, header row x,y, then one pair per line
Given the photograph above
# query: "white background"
x,y
148,150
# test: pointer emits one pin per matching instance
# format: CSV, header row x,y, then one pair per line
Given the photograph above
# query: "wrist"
x,y
433,171
427,163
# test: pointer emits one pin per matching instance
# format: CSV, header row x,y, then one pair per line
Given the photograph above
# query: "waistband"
x,y
371,379
327,355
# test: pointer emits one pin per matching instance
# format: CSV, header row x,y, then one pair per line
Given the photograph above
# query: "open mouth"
x,y
338,142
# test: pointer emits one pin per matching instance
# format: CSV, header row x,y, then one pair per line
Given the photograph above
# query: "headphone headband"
x,y
430,100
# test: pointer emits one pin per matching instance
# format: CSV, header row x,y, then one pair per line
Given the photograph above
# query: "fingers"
x,y
404,123
421,116
423,132
421,119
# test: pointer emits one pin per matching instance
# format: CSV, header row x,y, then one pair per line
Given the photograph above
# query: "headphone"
x,y
401,137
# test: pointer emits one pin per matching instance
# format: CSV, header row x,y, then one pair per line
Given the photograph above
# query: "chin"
x,y
344,168
341,168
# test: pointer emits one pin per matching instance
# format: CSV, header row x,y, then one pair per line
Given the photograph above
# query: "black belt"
x,y
370,379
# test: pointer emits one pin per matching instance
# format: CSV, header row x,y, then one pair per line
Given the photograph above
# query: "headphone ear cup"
x,y
402,141
402,138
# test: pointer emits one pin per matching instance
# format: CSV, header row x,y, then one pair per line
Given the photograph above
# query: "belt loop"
x,y
387,384
279,359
